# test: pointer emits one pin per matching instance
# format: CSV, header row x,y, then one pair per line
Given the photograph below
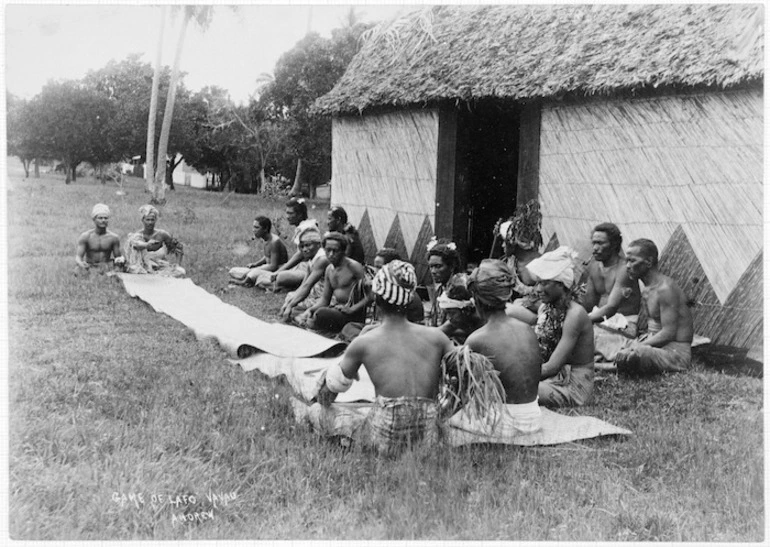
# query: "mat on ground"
x,y
235,330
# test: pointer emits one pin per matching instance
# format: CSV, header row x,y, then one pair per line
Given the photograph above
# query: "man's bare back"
x,y
402,359
512,347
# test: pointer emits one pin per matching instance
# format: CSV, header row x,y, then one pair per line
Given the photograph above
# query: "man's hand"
x,y
154,245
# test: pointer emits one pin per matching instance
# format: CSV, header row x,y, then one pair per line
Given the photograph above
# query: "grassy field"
x,y
123,426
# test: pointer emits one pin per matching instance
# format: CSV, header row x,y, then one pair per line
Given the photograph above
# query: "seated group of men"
x,y
526,313
546,357
147,251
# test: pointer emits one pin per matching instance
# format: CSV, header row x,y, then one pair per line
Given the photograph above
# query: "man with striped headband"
x,y
98,247
402,359
508,343
564,333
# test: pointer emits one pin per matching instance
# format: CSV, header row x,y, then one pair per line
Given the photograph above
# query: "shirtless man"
x,y
402,359
666,345
259,273
98,246
316,262
336,307
564,333
508,343
291,274
610,291
337,221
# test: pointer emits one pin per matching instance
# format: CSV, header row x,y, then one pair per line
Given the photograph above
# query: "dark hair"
x,y
299,207
648,249
613,234
336,236
339,213
449,256
387,307
264,222
388,254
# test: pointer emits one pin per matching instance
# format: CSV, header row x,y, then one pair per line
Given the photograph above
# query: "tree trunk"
x,y
296,189
25,164
159,193
261,180
37,169
149,170
102,176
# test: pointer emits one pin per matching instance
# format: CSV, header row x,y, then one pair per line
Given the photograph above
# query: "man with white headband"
x,y
460,314
402,359
98,247
564,333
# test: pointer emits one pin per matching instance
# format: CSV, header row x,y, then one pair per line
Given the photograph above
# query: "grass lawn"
x,y
123,426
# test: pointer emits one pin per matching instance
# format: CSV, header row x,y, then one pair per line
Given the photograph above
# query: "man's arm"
x,y
614,299
258,263
117,252
338,377
668,302
82,249
293,261
326,296
301,293
569,337
591,297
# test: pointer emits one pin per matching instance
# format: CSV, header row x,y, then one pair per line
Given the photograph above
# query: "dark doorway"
x,y
486,172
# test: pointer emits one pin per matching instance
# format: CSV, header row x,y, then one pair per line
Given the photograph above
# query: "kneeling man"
x,y
508,343
666,345
564,332
98,247
403,361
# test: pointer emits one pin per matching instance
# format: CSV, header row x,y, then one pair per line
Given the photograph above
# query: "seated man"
x,y
564,333
610,291
310,290
290,275
339,303
403,361
458,309
508,343
666,345
415,311
148,250
259,273
98,247
337,221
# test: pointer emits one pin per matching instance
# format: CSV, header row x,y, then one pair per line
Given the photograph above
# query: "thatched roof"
x,y
524,52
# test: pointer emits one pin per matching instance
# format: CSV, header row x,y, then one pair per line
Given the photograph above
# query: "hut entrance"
x,y
487,168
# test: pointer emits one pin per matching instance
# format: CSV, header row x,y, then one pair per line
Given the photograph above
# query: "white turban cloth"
x,y
100,209
395,282
556,265
145,210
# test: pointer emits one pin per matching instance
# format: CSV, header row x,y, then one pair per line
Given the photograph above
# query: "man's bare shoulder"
x,y
576,312
83,238
357,268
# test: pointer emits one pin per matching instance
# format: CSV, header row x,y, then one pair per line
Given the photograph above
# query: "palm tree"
x,y
149,170
202,16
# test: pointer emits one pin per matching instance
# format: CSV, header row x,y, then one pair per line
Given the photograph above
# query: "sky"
x,y
55,41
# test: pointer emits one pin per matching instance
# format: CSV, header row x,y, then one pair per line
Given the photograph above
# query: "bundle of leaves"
x,y
470,382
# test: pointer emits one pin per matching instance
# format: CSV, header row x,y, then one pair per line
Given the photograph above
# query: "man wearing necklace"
x,y
564,333
665,347
610,291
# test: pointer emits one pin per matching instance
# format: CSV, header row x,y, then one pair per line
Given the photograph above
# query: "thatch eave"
x,y
528,52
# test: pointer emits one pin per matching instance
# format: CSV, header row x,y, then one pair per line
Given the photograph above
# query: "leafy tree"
x,y
26,140
303,74
75,121
127,84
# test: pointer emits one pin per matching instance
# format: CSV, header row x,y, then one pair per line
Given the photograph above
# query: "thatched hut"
x,y
647,116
